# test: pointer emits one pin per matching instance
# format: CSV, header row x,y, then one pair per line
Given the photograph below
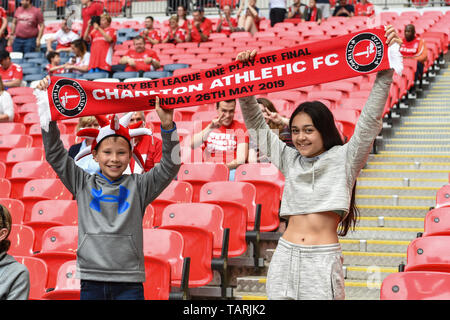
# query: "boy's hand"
x,y
44,83
165,115
245,56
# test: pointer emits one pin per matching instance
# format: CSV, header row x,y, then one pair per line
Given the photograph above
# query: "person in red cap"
x,y
111,204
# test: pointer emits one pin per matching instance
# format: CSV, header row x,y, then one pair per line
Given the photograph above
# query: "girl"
x,y
319,192
80,63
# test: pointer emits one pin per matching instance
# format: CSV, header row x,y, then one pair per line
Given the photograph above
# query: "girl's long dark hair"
x,y
323,121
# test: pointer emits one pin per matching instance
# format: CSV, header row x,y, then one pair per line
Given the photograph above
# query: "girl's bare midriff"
x,y
312,229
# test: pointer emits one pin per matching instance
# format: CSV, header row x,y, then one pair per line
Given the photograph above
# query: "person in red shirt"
x,y
227,24
150,34
413,47
364,8
90,9
103,38
199,28
182,17
150,147
54,65
175,34
224,139
11,73
140,58
3,28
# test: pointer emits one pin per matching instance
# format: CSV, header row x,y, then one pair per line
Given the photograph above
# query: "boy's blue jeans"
x,y
99,290
24,45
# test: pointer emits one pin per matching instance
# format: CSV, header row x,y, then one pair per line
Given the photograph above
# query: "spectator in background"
x,y
312,13
80,63
175,34
27,28
3,29
60,9
150,147
54,66
63,37
6,105
364,8
89,10
295,10
87,163
413,47
224,139
140,58
150,34
227,24
277,11
11,73
324,6
249,21
14,276
199,28
103,38
182,18
343,9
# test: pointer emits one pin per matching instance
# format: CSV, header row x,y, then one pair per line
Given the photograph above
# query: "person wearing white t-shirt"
x,y
80,63
64,38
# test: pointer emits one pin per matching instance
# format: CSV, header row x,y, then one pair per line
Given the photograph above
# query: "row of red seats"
x,y
426,275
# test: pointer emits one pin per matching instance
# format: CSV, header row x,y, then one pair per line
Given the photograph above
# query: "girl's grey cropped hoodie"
x,y
110,237
323,183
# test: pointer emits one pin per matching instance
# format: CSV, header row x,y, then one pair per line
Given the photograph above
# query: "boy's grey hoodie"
x,y
14,279
110,237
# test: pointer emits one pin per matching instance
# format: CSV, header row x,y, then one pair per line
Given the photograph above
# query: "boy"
x,y
111,205
54,65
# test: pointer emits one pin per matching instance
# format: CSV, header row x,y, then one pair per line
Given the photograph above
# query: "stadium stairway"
x,y
395,190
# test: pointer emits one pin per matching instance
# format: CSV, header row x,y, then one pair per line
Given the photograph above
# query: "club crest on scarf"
x,y
69,97
110,127
364,52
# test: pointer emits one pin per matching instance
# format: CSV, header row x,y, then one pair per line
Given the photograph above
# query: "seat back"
x,y
268,181
67,284
12,128
38,276
157,279
443,196
167,245
437,222
15,207
10,141
60,239
175,192
5,188
429,254
416,285
17,155
24,171
201,215
198,174
22,240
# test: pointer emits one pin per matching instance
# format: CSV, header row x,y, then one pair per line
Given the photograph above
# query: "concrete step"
x,y
394,200
380,259
399,191
398,147
383,233
404,173
424,141
393,211
415,152
384,156
370,245
407,165
391,222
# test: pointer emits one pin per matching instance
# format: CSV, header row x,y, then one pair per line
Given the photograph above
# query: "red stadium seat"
x,y
29,119
51,213
38,271
10,141
348,118
157,279
345,87
15,207
5,188
22,240
2,169
168,245
437,222
356,104
22,154
416,285
333,96
12,128
67,285
20,91
237,200
59,245
269,182
25,171
24,98
147,221
42,189
443,196
428,254
175,192
198,174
